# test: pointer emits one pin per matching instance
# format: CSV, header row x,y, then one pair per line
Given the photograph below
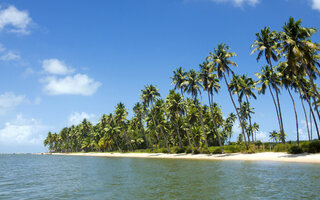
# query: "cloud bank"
x,y
22,131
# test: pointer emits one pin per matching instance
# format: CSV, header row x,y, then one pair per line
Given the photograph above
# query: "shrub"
x,y
196,151
314,147
232,148
205,151
188,150
258,143
215,150
164,150
295,149
178,150
281,148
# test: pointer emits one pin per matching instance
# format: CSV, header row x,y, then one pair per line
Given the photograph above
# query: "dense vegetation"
x,y
181,122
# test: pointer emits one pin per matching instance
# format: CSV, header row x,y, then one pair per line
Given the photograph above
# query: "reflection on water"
x,y
67,177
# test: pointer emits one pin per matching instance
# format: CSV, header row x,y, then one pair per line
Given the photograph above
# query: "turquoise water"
x,y
71,177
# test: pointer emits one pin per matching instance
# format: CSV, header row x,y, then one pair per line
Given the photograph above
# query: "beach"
x,y
266,156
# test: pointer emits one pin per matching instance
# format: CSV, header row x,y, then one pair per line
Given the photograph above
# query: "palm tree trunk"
x,y
178,133
311,132
245,128
275,104
295,113
305,114
250,122
235,107
316,106
162,133
215,124
281,121
203,131
314,119
313,85
187,130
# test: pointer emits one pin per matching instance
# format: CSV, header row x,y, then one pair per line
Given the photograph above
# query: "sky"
x,y
63,61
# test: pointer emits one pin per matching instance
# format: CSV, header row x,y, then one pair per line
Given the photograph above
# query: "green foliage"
x,y
232,148
314,147
281,148
295,149
215,150
188,150
178,150
196,151
205,151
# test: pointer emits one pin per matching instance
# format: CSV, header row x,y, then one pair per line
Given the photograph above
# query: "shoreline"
x,y
266,156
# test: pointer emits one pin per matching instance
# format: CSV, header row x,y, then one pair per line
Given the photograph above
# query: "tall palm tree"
x,y
267,42
247,89
210,83
269,78
193,85
235,86
290,83
148,96
220,59
178,79
174,103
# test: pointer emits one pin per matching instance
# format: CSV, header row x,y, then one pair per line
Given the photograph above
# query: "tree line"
x,y
182,119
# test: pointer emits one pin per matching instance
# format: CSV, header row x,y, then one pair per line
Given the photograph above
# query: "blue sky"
x,y
62,61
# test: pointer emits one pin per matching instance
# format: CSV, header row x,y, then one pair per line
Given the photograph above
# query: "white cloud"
x,y
76,118
238,3
9,100
57,67
16,20
316,5
79,84
22,131
263,136
9,56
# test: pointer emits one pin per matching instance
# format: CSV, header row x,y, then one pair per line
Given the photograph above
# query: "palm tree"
x,y
247,88
174,103
235,86
269,78
193,85
210,83
148,96
178,79
299,50
139,113
289,82
266,42
220,59
274,135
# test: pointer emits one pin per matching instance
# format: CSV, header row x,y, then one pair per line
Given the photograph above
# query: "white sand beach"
x,y
266,156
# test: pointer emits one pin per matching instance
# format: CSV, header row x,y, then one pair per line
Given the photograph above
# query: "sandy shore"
x,y
267,156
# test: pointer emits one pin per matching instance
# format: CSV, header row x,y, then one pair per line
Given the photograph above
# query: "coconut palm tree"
x,y
148,96
175,107
210,83
220,59
270,78
299,50
193,85
178,79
